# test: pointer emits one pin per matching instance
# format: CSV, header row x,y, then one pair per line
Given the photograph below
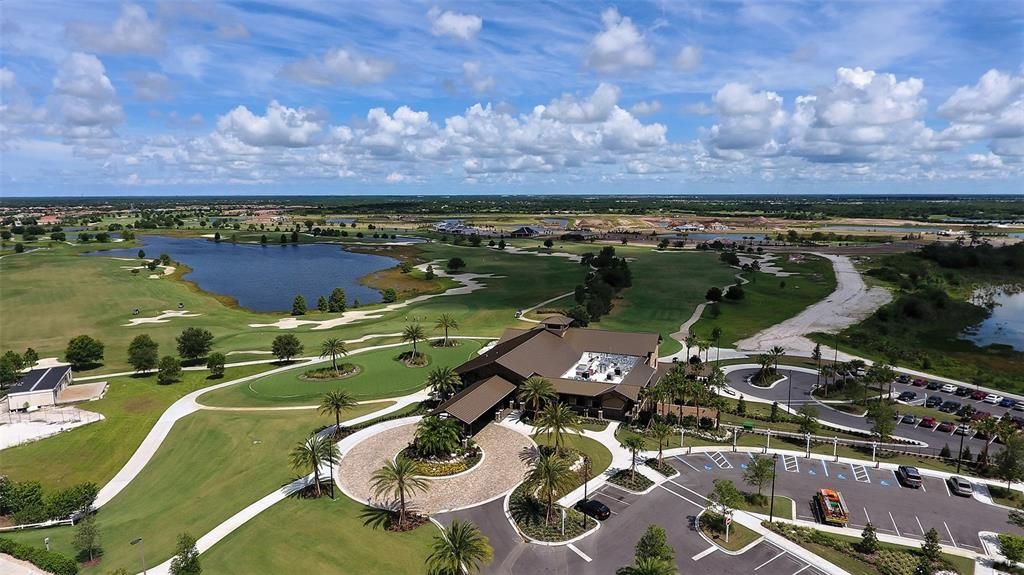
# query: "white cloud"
x,y
187,60
339,66
646,108
991,109
150,86
132,32
984,161
454,24
395,178
476,79
595,108
689,58
85,96
620,46
748,122
281,126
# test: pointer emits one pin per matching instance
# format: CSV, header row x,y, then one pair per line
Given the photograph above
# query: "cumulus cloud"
x,y
133,32
151,86
394,178
474,77
85,96
339,66
454,24
280,126
689,58
984,161
645,108
992,109
748,122
595,108
620,46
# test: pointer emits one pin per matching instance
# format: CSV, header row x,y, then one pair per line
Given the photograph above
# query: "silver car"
x,y
960,486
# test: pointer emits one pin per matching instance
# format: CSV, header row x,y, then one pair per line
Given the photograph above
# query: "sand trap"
x,y
514,250
162,318
167,270
767,266
469,283
850,303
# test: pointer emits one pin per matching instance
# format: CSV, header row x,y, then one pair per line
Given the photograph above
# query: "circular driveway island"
x,y
500,470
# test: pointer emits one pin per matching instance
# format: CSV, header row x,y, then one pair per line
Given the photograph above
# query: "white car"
x,y
948,388
993,398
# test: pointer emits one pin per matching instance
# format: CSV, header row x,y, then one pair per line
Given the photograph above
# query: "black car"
x,y
933,401
962,391
907,396
908,476
950,406
966,411
594,508
903,378
934,386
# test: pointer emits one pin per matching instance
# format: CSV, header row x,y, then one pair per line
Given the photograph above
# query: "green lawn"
x,y
783,506
216,462
318,536
856,566
739,536
766,303
97,451
600,457
381,375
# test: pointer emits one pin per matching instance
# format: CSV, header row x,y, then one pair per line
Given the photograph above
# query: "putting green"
x,y
381,374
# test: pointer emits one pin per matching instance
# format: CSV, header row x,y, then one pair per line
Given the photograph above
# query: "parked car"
x,y
993,398
948,388
908,476
979,395
907,396
960,486
1008,402
933,401
928,422
919,382
946,427
963,429
903,378
962,391
594,508
949,406
909,418
980,415
934,385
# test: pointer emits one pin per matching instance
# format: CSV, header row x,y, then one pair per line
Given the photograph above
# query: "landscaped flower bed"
x,y
345,370
631,481
662,467
529,514
463,460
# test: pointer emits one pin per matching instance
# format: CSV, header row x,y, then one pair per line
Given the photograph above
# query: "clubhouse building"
x,y
39,388
598,373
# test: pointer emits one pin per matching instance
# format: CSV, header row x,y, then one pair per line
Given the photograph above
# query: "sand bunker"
x,y
165,317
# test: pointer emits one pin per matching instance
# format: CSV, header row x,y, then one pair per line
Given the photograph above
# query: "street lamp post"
x,y
142,551
586,479
771,509
960,454
789,394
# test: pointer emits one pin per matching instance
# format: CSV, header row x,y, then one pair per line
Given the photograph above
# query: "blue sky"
x,y
266,97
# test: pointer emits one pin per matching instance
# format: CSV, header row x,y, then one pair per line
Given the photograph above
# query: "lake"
x,y
267,278
724,236
890,229
1006,323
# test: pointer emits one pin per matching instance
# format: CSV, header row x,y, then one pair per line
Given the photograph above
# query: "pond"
x,y
267,278
725,236
890,229
1005,325
556,222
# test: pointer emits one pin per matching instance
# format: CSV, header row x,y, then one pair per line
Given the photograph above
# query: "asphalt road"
x,y
802,383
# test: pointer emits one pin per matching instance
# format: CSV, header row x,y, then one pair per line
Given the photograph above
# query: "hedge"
x,y
46,560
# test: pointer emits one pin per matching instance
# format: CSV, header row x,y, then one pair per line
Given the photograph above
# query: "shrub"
x,y
46,560
1011,546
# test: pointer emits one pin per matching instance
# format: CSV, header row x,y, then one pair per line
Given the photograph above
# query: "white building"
x,y
39,388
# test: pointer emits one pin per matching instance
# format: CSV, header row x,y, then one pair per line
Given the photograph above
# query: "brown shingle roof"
x,y
473,402
622,342
557,319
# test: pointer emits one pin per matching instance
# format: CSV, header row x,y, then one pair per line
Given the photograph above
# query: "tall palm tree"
x,y
988,426
436,436
703,346
333,347
536,391
335,402
765,361
716,334
444,382
816,356
460,549
413,333
399,479
557,420
777,352
446,322
661,432
689,341
827,371
311,454
550,475
696,389
635,444
649,566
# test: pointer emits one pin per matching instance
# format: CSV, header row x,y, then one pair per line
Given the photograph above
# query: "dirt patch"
x,y
139,405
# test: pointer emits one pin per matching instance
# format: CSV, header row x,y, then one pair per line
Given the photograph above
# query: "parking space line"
x,y
896,479
769,561
613,486
801,569
950,533
791,463
704,553
825,467
719,460
687,463
610,496
923,488
866,514
860,473
894,526
919,526
946,485
580,553
662,485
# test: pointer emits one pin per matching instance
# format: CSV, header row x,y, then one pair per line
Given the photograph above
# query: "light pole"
x,y
771,508
586,479
960,454
789,394
142,550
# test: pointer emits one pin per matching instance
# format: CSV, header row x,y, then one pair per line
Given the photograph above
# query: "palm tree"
x,y
333,347
550,475
400,479
777,352
827,371
444,382
716,334
661,432
556,421
696,389
816,356
312,453
335,402
703,346
989,427
536,391
765,361
446,322
635,444
690,341
460,549
413,333
649,566
436,436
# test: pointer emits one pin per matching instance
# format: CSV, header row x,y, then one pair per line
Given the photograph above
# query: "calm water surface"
x,y
1005,325
267,278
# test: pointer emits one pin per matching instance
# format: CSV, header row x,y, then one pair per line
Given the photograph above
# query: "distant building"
x,y
48,220
717,227
39,388
525,232
690,227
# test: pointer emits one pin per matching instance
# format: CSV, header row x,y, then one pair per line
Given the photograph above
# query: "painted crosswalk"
x,y
791,463
860,473
720,460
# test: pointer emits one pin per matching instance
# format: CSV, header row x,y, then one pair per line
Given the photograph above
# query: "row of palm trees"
x,y
413,333
703,346
769,363
679,385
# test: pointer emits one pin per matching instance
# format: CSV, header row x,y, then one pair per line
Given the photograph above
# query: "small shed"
x,y
39,388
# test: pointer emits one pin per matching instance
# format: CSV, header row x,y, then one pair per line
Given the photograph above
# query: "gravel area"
x,y
500,470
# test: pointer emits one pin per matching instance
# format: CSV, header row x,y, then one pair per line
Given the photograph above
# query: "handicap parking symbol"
x,y
812,472
840,476
707,467
884,483
743,465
